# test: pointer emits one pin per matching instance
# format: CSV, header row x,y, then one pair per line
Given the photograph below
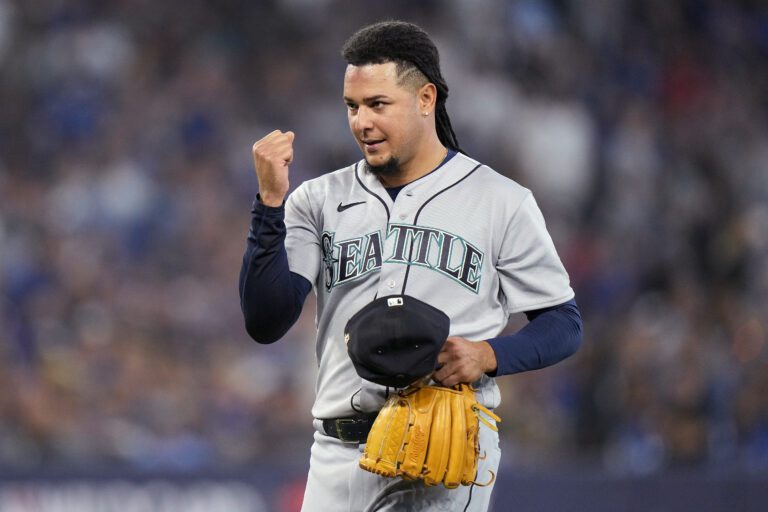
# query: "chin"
x,y
376,160
383,166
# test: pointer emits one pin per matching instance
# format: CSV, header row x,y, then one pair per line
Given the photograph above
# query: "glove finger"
x,y
386,437
456,458
472,447
439,440
414,453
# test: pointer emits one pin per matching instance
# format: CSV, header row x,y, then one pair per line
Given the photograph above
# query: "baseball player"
x,y
414,216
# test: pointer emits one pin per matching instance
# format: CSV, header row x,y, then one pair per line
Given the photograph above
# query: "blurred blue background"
x,y
125,187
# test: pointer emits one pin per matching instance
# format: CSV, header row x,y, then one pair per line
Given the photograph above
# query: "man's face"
x,y
384,117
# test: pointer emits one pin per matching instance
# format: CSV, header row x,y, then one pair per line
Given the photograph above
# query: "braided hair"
x,y
409,47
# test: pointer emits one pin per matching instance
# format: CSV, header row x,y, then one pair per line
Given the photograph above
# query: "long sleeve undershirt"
x,y
271,298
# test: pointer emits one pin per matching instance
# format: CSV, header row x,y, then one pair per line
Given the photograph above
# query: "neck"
x,y
425,161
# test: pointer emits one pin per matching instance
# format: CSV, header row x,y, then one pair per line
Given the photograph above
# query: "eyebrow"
x,y
368,99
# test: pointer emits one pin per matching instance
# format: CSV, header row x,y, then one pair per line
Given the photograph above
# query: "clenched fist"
x,y
271,156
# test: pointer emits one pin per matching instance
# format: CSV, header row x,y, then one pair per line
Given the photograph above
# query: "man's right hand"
x,y
271,156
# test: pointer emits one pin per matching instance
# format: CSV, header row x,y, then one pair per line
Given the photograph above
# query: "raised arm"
x,y
271,296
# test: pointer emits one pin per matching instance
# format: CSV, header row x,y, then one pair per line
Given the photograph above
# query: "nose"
x,y
363,119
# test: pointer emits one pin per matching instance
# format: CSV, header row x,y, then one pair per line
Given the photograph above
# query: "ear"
x,y
427,95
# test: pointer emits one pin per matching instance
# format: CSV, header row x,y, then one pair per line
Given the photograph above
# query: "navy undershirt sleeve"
x,y
551,335
271,296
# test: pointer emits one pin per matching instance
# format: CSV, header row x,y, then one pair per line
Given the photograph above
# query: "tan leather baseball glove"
x,y
428,433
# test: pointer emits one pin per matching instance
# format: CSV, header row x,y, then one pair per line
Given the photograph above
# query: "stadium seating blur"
x,y
126,183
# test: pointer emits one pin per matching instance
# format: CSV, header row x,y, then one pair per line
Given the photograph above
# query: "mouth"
x,y
372,145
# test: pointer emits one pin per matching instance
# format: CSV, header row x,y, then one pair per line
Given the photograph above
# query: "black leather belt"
x,y
349,430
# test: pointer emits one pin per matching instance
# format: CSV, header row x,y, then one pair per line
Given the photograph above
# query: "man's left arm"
x,y
551,335
533,280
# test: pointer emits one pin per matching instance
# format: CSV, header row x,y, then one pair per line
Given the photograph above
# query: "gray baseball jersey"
x,y
464,238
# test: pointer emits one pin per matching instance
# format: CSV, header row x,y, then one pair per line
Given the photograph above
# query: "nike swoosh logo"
x,y
343,207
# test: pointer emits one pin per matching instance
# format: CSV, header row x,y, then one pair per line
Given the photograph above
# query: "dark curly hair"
x,y
416,59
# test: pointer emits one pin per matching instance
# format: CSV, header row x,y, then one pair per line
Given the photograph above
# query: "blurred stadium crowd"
x,y
126,182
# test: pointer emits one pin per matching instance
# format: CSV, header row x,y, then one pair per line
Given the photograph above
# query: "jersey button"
x,y
391,283
403,216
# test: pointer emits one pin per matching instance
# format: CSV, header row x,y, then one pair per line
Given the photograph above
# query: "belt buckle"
x,y
345,421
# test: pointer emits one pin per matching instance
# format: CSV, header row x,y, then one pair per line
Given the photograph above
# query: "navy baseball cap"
x,y
394,340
